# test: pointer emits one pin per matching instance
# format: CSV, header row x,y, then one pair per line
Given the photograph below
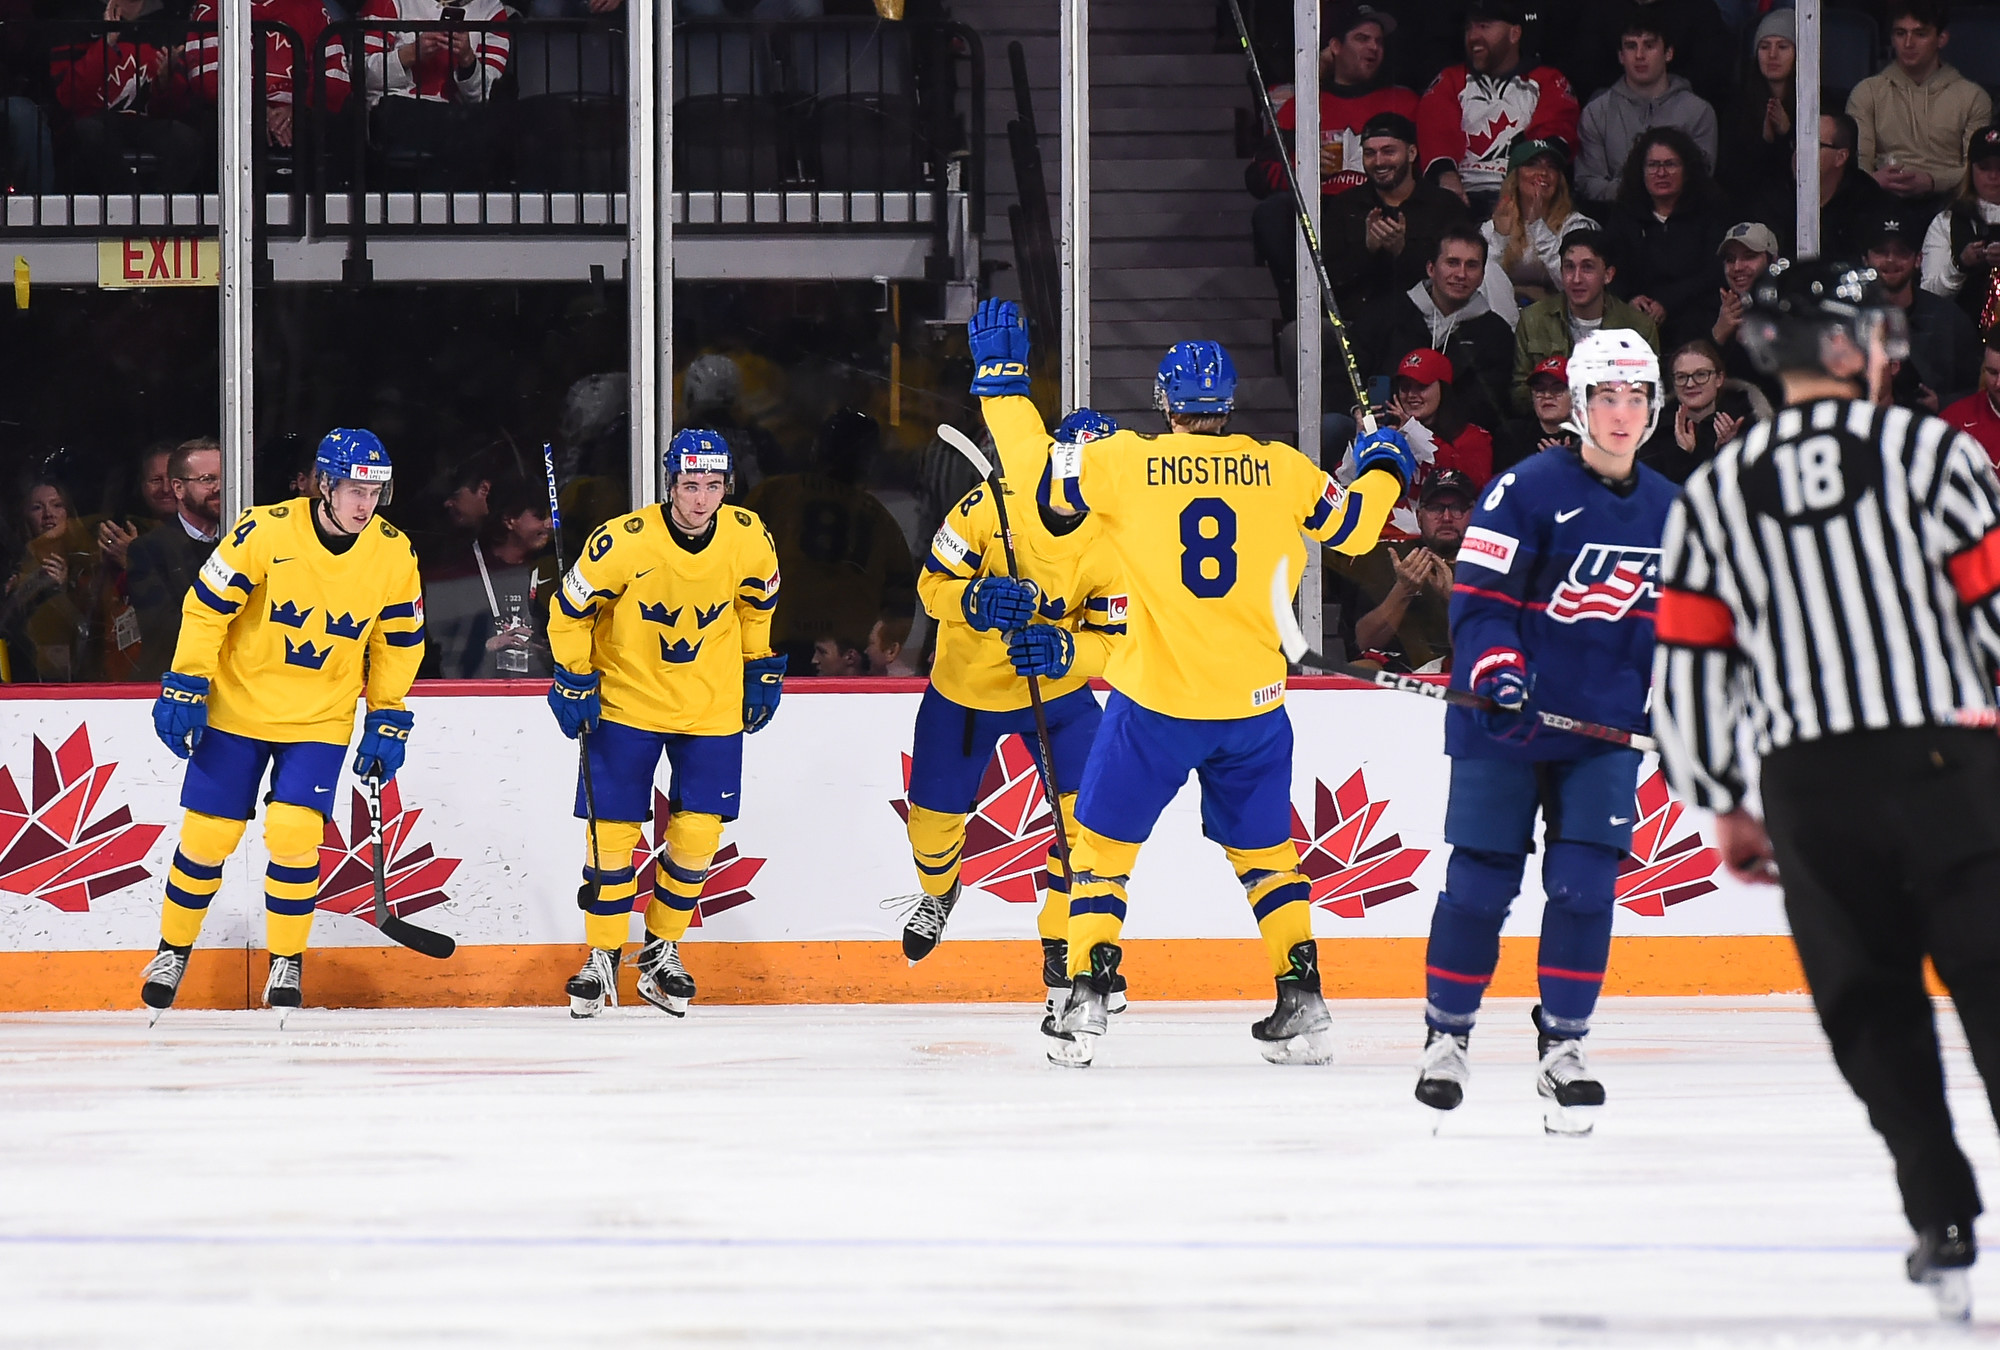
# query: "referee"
x,y
1831,587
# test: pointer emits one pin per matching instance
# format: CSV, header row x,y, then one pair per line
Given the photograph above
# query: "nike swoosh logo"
x,y
1621,820
1564,517
637,575
276,561
729,794
319,790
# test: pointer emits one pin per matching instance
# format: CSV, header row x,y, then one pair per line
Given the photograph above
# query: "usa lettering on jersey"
x,y
1605,582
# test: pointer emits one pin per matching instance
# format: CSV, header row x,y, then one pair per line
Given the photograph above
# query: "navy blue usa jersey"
x,y
1562,569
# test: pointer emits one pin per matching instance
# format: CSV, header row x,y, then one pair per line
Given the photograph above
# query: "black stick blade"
x,y
422,941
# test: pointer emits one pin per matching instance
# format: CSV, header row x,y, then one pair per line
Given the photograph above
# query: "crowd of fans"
x,y
1604,166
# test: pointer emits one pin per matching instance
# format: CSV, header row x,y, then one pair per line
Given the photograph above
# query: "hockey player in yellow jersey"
x,y
302,608
1199,520
662,640
1059,621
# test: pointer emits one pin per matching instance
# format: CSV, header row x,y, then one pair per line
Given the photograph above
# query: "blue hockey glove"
x,y
1502,676
1042,649
998,602
1386,449
573,699
999,349
763,686
180,715
385,738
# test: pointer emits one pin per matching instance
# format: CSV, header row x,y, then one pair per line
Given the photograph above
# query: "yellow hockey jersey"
x,y
1199,524
669,629
279,625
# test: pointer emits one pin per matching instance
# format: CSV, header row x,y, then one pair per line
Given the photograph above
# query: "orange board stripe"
x,y
871,972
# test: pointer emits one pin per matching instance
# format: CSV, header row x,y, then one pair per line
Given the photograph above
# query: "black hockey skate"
x,y
1055,978
1565,1080
924,929
1444,1069
596,985
1942,1262
1299,1029
663,980
162,979
282,987
1087,1016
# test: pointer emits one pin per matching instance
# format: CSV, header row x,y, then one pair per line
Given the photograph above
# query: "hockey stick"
x,y
1304,218
588,893
1300,653
997,484
423,941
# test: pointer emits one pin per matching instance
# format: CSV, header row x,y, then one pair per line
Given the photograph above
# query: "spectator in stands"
x,y
1492,93
156,494
1747,250
287,110
1704,51
888,643
1351,93
1709,409
1381,236
1962,245
1944,346
835,656
1546,424
1552,327
1645,98
1395,600
1850,201
1977,414
1448,312
487,608
1757,140
844,558
1530,221
1424,388
165,561
1665,232
1917,115
427,92
45,615
126,93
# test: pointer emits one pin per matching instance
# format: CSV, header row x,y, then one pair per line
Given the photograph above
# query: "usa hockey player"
x,y
1058,621
661,634
1552,608
1199,521
302,608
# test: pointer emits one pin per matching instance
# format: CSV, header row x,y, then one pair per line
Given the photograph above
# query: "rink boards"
x,y
483,846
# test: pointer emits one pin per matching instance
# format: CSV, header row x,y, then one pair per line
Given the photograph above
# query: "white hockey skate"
x,y
1942,1262
663,980
1443,1070
1564,1079
1088,1015
1299,1029
283,986
595,986
161,980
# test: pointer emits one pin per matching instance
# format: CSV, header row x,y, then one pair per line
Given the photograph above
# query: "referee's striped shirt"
x,y
1834,570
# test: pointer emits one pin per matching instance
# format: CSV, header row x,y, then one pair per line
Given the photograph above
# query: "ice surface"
x,y
918,1176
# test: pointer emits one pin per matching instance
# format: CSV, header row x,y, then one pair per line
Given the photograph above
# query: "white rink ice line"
x,y
867,1176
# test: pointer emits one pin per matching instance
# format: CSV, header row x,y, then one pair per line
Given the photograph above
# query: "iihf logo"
x,y
1605,582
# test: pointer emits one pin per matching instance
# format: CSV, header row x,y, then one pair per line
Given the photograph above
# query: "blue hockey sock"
x,y
1465,935
1581,881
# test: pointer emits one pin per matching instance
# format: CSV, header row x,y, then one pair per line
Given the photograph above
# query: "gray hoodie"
x,y
1617,117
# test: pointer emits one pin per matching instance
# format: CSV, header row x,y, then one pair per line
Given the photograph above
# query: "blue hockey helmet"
x,y
356,454
1196,378
698,450
1083,426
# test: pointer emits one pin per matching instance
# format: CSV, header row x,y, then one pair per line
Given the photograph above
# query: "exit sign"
x,y
129,264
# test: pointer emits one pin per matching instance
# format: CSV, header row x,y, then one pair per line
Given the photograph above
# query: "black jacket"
x,y
159,570
1481,351
1671,260
1358,275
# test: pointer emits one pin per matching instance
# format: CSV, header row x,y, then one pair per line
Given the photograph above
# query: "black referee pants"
x,y
1889,843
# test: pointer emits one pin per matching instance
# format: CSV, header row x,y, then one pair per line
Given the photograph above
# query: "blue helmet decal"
x,y
351,452
698,450
1083,426
1198,378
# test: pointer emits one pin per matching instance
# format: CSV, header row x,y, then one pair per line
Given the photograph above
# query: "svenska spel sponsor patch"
x,y
1488,548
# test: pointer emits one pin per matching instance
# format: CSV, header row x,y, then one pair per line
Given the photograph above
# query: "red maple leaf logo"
x,y
347,870
48,852
1349,874
729,872
1008,834
1658,873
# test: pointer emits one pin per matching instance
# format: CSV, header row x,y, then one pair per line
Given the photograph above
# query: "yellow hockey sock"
x,y
292,835
681,871
937,842
1280,897
196,874
1054,919
607,920
1097,900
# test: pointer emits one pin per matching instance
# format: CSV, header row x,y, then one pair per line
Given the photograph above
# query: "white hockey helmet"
x,y
1613,356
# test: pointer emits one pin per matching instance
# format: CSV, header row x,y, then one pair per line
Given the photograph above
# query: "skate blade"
x,y
580,1008
1952,1291
1569,1122
667,1003
283,1013
1308,1047
1114,1003
154,1020
1075,1052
